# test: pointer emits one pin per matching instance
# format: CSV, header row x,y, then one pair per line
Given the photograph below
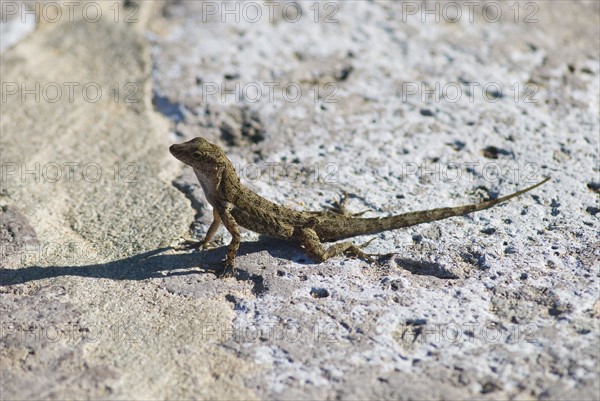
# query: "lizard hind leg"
x,y
309,239
341,207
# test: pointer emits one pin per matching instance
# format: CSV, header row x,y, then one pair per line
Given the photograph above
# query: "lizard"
x,y
235,205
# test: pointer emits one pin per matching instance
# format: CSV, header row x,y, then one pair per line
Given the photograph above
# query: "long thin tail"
x,y
375,225
410,219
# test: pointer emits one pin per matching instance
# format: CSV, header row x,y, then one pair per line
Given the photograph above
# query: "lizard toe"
x,y
228,269
188,244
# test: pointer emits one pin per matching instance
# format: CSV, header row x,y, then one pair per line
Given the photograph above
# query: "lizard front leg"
x,y
309,239
214,226
232,226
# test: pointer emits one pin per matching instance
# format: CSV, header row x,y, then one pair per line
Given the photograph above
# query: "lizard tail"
x,y
423,216
376,225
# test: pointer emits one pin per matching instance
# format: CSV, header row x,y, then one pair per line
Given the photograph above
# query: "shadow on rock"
x,y
426,269
151,264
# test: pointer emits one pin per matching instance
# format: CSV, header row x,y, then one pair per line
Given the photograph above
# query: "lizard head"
x,y
197,152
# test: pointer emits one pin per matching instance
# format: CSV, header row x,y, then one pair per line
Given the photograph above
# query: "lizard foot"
x,y
340,207
228,269
357,252
188,243
374,258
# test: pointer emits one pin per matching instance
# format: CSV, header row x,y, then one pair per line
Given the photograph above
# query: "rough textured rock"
x,y
15,233
501,304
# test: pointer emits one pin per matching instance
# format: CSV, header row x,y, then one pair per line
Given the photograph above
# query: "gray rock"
x,y
15,232
501,304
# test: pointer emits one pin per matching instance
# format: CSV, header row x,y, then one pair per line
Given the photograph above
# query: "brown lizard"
x,y
235,205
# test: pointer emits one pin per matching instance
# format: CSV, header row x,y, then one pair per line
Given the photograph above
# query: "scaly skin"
x,y
235,205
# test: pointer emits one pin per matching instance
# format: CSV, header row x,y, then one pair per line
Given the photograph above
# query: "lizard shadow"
x,y
284,250
156,264
276,248
425,268
146,265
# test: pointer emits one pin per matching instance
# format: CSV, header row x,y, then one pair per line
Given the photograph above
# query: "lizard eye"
x,y
203,156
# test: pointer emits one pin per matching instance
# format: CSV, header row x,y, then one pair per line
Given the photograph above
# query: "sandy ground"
x,y
376,99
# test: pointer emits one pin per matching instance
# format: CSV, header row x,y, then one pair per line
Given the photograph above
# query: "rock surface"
x,y
375,99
